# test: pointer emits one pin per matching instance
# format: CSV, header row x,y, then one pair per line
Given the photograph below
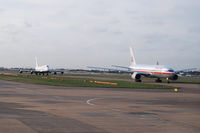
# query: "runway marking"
x,y
105,107
89,101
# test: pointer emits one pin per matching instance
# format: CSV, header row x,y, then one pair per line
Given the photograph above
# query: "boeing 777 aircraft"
x,y
41,69
152,71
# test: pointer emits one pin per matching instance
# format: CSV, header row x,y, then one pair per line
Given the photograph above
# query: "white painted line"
x,y
105,107
89,101
117,110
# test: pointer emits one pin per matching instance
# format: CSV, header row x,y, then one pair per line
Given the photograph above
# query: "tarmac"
x,y
28,108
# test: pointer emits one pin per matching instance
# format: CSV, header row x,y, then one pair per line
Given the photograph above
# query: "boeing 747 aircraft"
x,y
41,70
139,70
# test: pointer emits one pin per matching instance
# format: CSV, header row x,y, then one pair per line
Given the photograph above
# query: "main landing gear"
x,y
158,80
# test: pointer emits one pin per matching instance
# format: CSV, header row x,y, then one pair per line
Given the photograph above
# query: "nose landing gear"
x,y
168,80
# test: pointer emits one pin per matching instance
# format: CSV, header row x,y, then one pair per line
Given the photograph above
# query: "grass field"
x,y
187,80
76,82
128,77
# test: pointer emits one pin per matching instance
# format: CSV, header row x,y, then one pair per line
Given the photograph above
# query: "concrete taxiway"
x,y
27,108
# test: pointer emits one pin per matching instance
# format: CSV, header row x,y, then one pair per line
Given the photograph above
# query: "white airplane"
x,y
139,70
152,71
41,69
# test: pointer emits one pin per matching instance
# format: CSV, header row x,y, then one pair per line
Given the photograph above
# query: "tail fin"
x,y
132,58
36,63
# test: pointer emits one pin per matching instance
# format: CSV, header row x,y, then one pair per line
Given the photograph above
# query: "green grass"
x,y
128,77
75,82
187,80
99,75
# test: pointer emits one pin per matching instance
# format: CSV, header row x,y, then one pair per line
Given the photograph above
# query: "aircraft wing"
x,y
26,70
121,67
132,71
33,71
56,71
186,70
121,70
108,69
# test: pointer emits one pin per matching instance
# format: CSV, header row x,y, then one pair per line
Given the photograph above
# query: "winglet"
x,y
132,58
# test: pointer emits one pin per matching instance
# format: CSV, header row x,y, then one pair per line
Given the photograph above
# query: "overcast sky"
x,y
77,33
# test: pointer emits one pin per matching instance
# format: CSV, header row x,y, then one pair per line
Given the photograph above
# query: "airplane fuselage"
x,y
44,68
154,71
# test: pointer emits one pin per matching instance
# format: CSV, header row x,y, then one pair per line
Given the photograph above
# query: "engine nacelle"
x,y
174,77
20,71
136,76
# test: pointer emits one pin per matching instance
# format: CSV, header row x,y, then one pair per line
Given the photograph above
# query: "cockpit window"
x,y
170,70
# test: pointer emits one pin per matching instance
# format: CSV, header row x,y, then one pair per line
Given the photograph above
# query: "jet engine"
x,y
136,76
31,72
20,71
174,77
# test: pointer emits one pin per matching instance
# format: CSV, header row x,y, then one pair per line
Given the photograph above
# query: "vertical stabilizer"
x,y
132,58
36,63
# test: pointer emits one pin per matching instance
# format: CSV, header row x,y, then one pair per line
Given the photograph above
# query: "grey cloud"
x,y
194,30
77,33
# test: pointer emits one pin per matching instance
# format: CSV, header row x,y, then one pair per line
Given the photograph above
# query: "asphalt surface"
x,y
27,108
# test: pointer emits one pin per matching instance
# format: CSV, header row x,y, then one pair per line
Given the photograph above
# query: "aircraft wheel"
x,y
158,81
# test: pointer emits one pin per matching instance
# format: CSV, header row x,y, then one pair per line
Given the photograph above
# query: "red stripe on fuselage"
x,y
154,72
